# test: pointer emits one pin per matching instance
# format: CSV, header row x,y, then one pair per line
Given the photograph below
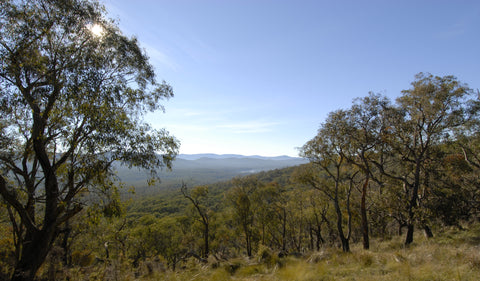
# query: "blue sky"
x,y
258,77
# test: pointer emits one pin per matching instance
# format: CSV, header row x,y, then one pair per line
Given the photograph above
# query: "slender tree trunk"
x,y
65,245
363,211
310,233
343,239
248,240
428,231
284,231
207,250
400,227
409,237
263,233
249,246
17,236
413,204
345,244
320,239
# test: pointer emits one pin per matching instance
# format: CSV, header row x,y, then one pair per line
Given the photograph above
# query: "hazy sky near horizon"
x,y
260,76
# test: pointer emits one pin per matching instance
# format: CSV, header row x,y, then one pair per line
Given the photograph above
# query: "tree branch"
x,y
12,200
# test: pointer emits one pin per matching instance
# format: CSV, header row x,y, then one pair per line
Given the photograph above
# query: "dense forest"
x,y
378,171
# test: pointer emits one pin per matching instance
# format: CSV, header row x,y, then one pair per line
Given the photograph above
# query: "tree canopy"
x,y
71,104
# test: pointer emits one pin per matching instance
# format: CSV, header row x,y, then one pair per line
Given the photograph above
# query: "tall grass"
x,y
453,255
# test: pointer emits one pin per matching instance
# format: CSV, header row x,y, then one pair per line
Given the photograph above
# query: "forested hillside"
x,y
377,172
171,202
385,189
199,169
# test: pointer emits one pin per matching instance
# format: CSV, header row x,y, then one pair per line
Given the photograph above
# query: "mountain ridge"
x,y
227,156
207,168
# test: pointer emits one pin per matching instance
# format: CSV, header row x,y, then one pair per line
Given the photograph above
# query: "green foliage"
x,y
267,256
7,251
71,110
71,104
82,258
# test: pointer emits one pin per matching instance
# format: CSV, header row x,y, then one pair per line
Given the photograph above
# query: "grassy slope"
x,y
452,255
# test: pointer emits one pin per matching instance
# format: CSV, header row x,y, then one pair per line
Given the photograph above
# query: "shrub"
x,y
82,258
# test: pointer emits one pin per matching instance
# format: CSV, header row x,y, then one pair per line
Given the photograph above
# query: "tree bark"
x,y
343,239
248,241
320,239
207,250
35,248
284,231
409,238
428,231
65,244
413,204
310,235
363,211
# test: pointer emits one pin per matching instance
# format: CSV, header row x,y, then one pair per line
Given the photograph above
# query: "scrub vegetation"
x,y
391,190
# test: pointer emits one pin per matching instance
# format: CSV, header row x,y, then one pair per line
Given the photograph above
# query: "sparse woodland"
x,y
392,190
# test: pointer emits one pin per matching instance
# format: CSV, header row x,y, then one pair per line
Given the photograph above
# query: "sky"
x,y
258,77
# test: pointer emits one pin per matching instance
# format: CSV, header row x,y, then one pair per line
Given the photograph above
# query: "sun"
x,y
96,29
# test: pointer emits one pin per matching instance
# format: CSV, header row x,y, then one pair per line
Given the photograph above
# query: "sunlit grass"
x,y
453,255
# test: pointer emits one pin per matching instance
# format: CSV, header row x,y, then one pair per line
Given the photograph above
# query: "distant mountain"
x,y
226,156
199,169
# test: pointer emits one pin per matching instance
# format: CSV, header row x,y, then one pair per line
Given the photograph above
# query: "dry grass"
x,y
453,255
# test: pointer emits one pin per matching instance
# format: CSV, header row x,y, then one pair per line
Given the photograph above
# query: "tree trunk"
x,y
263,233
249,246
284,231
409,238
363,211
320,239
428,231
37,243
413,204
35,248
345,244
65,245
343,239
248,239
207,250
310,233
400,227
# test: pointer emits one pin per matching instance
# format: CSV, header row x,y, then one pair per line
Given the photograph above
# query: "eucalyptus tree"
x,y
366,120
199,198
460,177
425,116
271,201
242,198
316,217
71,104
326,152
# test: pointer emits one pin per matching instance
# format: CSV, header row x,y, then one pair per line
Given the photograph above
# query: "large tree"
x,y
425,116
365,123
71,105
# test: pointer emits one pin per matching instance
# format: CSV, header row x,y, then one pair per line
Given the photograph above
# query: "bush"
x,y
267,257
82,258
232,267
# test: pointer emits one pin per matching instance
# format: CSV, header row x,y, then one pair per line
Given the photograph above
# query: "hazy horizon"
x,y
258,77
